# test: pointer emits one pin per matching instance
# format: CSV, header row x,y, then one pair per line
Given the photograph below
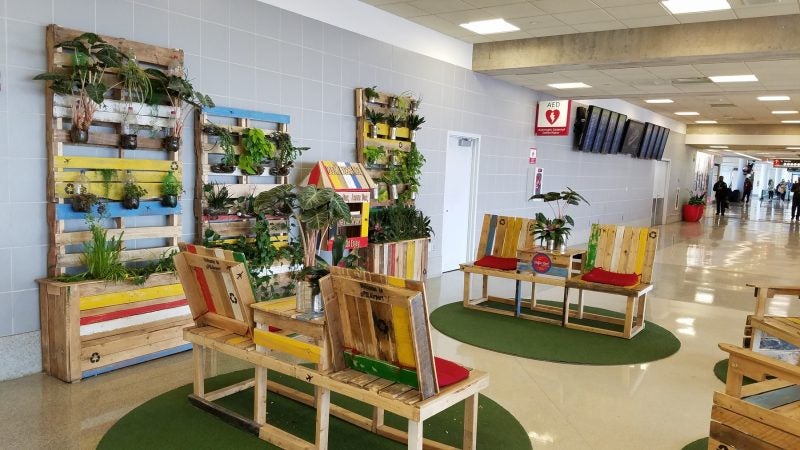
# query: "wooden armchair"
x,y
619,249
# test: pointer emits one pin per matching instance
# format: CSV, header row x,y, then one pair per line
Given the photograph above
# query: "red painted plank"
x,y
201,280
132,312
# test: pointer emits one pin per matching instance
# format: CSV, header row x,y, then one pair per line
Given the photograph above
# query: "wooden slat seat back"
x,y
623,249
762,415
382,318
502,235
217,287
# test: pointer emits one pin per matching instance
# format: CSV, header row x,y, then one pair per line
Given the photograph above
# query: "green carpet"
x,y
721,371
170,421
548,342
700,444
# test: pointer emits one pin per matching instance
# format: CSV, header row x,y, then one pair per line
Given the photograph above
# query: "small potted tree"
x,y
694,209
393,121
371,94
131,195
414,122
171,188
256,149
224,141
285,155
374,118
554,231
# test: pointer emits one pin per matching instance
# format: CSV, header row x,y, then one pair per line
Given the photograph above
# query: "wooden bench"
x,y
211,279
512,237
620,249
763,415
784,328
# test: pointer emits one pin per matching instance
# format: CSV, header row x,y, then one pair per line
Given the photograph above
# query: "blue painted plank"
x,y
224,111
137,360
490,236
115,209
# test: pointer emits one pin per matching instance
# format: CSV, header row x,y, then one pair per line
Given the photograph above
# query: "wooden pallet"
x,y
404,259
65,161
92,327
235,121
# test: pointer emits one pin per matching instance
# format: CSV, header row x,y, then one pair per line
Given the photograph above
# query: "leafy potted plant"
x,y
315,211
131,194
136,87
83,202
171,188
371,94
374,118
693,211
255,149
176,90
372,154
398,223
393,179
393,121
554,231
285,155
85,82
225,141
414,103
414,122
218,200
411,172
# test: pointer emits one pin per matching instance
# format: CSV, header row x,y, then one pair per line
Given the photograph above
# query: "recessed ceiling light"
x,y
705,121
774,98
694,6
792,148
784,112
569,85
718,146
687,113
659,100
491,26
733,78
745,155
790,121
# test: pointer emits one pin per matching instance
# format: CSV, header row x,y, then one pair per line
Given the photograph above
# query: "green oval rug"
x,y
547,342
700,444
170,421
721,372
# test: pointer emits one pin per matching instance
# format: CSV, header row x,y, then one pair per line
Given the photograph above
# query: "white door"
x,y
460,187
660,188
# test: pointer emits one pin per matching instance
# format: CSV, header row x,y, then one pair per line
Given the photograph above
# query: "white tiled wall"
x,y
251,55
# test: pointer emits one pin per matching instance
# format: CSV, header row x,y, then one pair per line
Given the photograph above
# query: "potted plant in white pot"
x,y
176,90
553,232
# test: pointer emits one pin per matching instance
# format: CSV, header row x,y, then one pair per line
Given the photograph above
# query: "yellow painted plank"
x,y
364,219
410,257
512,237
136,295
237,340
274,341
280,304
88,162
148,176
402,337
643,232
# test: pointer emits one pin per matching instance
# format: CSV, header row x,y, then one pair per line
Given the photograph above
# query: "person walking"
x,y
770,189
746,190
781,190
721,195
796,200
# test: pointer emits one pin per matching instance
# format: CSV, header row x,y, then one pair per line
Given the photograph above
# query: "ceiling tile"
x,y
638,11
649,22
441,6
613,3
561,6
488,3
550,31
672,72
735,68
706,16
536,22
470,15
403,10
744,12
440,25
516,10
576,17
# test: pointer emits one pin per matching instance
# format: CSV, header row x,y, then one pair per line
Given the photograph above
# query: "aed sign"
x,y
552,118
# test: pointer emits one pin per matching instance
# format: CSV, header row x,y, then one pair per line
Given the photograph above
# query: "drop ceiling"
x,y
729,103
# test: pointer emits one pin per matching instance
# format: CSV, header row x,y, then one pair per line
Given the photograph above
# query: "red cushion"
x,y
598,275
496,262
448,372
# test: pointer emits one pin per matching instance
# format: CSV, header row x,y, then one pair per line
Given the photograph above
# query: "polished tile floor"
x,y
700,295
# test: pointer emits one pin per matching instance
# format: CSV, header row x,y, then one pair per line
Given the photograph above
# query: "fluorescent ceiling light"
x,y
792,148
659,100
790,121
733,78
687,113
774,98
491,26
694,6
718,146
784,112
569,85
705,121
745,155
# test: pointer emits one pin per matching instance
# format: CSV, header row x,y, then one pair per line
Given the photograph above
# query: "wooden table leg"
x,y
565,311
533,296
485,287
260,396
517,298
198,360
629,317
323,401
377,418
470,422
414,435
467,281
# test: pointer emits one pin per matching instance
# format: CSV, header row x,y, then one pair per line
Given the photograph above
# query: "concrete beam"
x,y
776,37
760,130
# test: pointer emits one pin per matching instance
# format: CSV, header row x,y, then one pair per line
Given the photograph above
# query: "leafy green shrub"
x,y
398,223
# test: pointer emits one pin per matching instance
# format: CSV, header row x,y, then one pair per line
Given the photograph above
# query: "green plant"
x,y
170,185
107,175
285,152
392,175
225,142
256,148
398,223
557,228
133,190
414,122
375,117
164,263
371,93
411,172
84,201
243,206
101,255
393,120
698,198
218,201
372,154
176,90
135,81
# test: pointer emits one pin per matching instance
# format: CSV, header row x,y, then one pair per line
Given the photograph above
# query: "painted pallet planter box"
x,y
92,327
404,259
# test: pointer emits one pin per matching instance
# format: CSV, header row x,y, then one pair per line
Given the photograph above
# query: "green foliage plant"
x,y
372,153
375,117
285,152
256,148
101,255
398,223
133,190
371,93
225,142
107,175
411,172
558,227
218,200
176,90
393,120
414,122
170,185
697,198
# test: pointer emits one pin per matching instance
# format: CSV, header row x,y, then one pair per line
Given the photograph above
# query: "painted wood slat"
x,y
121,107
224,111
144,254
481,252
94,176
617,248
130,296
88,320
500,234
381,369
650,254
512,237
410,248
630,245
591,253
115,117
63,190
96,163
115,209
129,234
136,360
283,344
141,319
640,250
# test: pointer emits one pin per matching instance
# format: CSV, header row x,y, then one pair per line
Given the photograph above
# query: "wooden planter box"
x,y
92,327
403,259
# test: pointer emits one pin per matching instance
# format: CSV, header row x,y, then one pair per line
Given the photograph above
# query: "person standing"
x,y
721,194
796,200
746,190
781,190
770,189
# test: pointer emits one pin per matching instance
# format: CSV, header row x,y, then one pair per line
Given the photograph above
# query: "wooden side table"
x,y
552,268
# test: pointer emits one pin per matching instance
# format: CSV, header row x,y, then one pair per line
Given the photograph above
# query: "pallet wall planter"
x,y
92,327
403,259
238,184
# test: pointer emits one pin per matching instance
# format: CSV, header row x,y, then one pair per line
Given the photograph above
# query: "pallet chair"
x,y
762,415
218,289
758,324
381,354
619,261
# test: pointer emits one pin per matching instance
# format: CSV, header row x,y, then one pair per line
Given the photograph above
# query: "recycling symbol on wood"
x,y
95,357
